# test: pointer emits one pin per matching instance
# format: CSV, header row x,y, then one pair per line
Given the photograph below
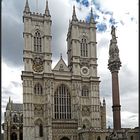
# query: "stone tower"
x,y
37,68
58,102
82,62
114,65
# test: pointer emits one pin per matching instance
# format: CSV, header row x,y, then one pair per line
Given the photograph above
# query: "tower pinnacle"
x,y
91,16
74,17
27,8
104,101
47,13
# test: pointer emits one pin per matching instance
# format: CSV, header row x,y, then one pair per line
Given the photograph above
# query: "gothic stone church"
x,y
62,103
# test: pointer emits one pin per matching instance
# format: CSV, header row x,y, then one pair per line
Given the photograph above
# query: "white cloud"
x,y
10,75
129,119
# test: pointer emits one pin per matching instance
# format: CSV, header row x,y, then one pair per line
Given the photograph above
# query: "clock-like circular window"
x,y
84,71
37,65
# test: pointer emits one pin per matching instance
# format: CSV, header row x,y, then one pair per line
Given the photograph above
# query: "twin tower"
x,y
59,102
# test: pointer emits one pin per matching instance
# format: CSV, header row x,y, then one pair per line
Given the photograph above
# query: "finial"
x,y
60,55
91,16
91,11
104,101
74,18
27,8
47,13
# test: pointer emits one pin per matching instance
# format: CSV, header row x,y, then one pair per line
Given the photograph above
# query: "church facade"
x,y
57,102
62,103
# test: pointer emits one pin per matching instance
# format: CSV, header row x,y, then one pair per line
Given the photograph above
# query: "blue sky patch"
x,y
112,21
101,27
94,15
83,2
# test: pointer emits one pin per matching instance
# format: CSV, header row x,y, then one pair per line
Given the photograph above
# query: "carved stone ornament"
x,y
84,62
38,110
85,110
37,64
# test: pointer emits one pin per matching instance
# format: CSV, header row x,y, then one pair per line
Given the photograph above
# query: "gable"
x,y
61,66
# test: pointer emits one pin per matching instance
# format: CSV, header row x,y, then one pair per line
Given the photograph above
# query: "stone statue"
x,y
113,32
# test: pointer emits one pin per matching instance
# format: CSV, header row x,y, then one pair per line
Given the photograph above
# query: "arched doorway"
x,y
13,136
64,138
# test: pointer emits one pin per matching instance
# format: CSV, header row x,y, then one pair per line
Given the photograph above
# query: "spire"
x,y
60,55
27,8
91,16
74,17
47,13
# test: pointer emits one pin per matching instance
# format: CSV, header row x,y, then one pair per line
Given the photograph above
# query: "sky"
x,y
122,14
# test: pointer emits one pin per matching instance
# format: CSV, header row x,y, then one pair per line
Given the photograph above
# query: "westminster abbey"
x,y
62,103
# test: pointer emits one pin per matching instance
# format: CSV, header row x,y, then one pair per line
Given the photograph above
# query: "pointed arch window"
x,y
38,128
62,103
41,130
106,138
85,91
84,48
37,42
38,89
131,138
98,138
13,136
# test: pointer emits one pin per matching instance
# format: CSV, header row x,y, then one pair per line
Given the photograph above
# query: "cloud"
x,y
128,81
108,13
129,119
97,5
12,42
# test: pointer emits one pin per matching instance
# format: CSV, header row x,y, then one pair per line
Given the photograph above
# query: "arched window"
x,y
98,138
86,123
15,118
37,42
13,136
131,138
106,138
38,89
38,128
85,91
62,103
84,48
